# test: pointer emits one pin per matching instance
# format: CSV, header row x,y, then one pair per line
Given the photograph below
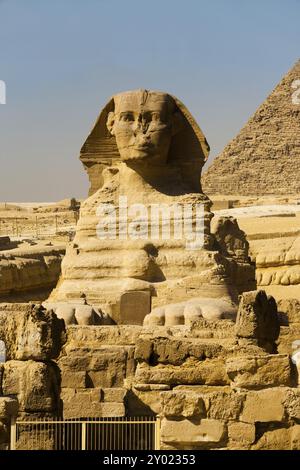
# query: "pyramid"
x,y
264,158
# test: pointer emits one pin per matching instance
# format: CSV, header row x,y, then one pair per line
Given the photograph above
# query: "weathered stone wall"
x,y
29,378
215,384
29,272
94,365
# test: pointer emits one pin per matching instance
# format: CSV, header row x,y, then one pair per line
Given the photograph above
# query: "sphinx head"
x,y
143,123
145,129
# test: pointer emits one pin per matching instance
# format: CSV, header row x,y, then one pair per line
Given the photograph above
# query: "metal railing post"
x,y
83,436
157,433
13,433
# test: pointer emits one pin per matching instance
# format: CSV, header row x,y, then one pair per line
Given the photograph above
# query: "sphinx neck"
x,y
163,179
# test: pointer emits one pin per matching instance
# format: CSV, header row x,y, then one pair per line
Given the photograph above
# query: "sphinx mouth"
x,y
144,146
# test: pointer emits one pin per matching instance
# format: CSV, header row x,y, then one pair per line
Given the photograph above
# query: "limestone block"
x,y
221,402
29,439
289,309
289,339
295,437
223,405
257,317
26,269
86,403
134,306
241,433
292,403
70,379
143,403
102,335
253,372
104,366
8,407
264,406
180,403
230,240
30,332
277,439
172,350
209,372
34,383
113,395
150,387
194,433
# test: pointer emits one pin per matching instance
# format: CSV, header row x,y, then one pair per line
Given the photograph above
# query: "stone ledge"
x,y
254,372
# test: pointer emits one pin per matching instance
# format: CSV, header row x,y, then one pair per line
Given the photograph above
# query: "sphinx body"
x,y
151,153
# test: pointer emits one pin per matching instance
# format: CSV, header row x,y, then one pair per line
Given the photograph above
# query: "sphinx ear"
x,y
110,122
177,124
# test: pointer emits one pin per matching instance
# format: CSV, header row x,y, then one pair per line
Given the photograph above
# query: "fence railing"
x,y
38,226
129,433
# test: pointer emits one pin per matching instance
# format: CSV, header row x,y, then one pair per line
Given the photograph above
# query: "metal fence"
x,y
136,433
39,226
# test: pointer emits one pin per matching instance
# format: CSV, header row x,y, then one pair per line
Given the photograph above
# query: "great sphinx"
x,y
145,148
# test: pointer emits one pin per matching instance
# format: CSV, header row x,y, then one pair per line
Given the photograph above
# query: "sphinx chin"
x,y
138,157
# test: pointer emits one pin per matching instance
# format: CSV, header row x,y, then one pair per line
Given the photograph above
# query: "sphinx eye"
x,y
156,116
126,117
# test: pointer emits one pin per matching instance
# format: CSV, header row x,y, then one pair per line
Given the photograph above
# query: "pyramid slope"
x,y
264,158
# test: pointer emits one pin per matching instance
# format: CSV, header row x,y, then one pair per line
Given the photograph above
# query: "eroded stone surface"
x,y
259,371
30,332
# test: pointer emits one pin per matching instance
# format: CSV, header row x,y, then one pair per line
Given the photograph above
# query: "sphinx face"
x,y
142,125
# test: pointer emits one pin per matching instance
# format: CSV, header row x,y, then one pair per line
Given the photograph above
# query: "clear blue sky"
x,y
62,59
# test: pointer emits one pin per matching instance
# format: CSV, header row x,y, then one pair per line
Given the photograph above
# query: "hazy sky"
x,y
62,59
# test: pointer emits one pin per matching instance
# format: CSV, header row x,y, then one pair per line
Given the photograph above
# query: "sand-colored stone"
x,y
295,437
159,162
264,158
35,384
257,317
253,372
73,379
86,403
264,406
273,235
179,403
217,402
209,372
29,272
113,395
241,434
8,407
30,332
196,434
289,310
292,403
105,366
275,439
